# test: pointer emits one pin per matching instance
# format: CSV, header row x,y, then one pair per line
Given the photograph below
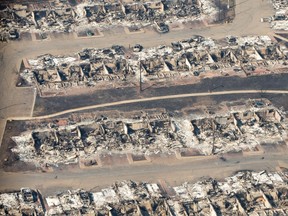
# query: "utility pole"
x,y
213,143
140,78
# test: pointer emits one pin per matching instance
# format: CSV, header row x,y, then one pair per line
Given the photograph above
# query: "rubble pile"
x,y
60,16
233,130
197,57
246,193
41,17
25,202
279,21
143,13
201,57
88,68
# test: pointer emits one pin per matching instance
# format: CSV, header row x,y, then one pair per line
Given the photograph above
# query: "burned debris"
x,y
233,129
279,21
196,57
246,193
61,16
23,202
88,68
137,48
243,194
162,27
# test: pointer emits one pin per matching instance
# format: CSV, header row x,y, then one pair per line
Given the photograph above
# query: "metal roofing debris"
x,y
245,193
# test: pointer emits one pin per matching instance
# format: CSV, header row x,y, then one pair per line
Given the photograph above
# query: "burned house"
x,y
244,127
24,202
127,196
60,16
248,55
86,139
279,20
15,17
41,17
86,69
237,129
196,57
241,194
245,193
141,13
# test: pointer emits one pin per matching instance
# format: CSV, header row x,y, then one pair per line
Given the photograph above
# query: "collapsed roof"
x,y
279,21
62,17
245,193
197,57
231,128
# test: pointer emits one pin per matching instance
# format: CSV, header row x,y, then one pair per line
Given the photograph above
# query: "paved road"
x,y
167,97
174,173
